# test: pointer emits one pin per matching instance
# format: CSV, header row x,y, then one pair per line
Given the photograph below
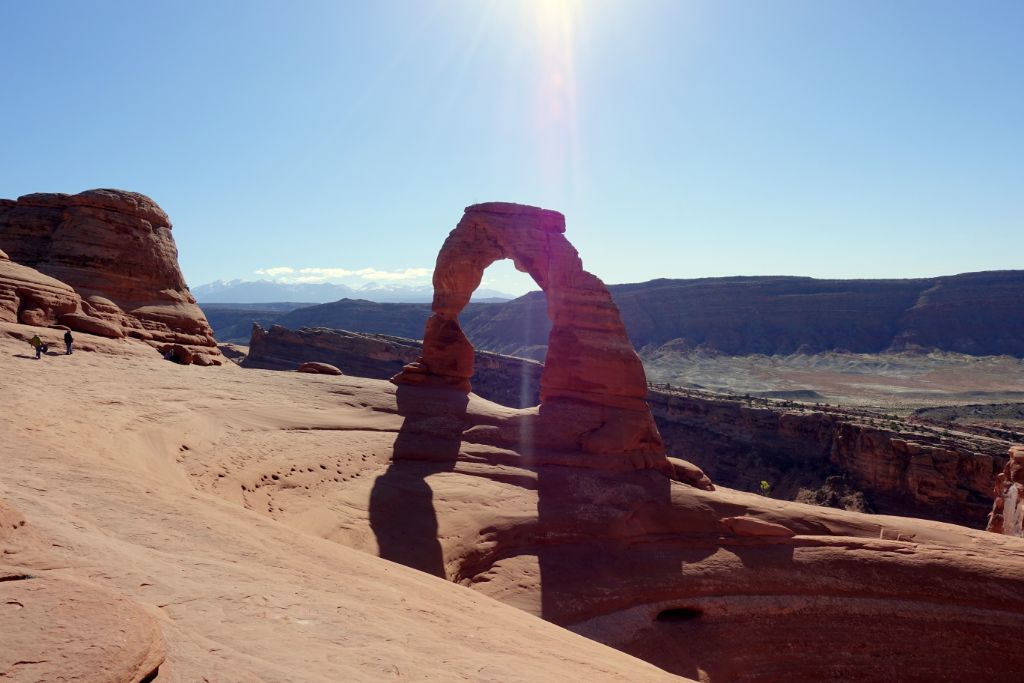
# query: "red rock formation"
x,y
593,384
115,251
31,298
1007,516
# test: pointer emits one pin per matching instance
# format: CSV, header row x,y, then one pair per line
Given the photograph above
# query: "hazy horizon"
x,y
337,142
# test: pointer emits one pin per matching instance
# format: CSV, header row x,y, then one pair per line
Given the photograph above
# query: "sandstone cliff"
x,y
101,262
506,380
901,468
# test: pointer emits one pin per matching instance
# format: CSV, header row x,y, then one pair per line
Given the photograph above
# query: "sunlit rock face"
x,y
101,262
593,385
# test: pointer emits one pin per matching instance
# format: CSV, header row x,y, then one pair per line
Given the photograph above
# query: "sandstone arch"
x,y
593,385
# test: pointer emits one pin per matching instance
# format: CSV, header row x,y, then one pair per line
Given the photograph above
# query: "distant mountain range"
x,y
973,313
268,291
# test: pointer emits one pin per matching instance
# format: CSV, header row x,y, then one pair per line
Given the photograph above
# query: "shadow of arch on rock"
x,y
401,508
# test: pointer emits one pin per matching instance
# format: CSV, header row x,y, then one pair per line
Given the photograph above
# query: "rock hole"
x,y
151,676
677,614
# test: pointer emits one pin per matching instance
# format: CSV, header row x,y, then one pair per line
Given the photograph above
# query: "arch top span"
x,y
591,365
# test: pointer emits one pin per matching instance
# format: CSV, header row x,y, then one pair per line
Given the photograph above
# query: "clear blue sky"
x,y
680,138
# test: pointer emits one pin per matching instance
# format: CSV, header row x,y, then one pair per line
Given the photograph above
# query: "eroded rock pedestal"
x,y
593,385
101,262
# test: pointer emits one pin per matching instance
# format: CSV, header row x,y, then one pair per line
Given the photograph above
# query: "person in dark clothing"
x,y
68,341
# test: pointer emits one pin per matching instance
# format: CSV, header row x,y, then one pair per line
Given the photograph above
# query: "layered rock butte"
x,y
101,262
209,512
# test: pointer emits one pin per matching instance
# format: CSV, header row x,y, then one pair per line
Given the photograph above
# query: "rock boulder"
x,y
314,368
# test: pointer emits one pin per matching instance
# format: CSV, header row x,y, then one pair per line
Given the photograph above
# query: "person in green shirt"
x,y
37,344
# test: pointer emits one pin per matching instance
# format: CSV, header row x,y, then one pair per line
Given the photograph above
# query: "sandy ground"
x,y
98,453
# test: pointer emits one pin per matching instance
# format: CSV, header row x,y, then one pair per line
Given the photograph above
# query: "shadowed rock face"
x,y
901,469
114,249
593,385
29,297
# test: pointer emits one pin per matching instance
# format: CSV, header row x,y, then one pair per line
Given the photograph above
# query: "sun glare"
x,y
555,23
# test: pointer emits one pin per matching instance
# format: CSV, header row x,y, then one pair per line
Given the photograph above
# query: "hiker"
x,y
38,345
68,341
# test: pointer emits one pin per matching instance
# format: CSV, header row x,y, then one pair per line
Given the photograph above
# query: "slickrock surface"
x,y
1007,515
513,382
203,493
54,628
114,249
111,484
593,384
716,585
